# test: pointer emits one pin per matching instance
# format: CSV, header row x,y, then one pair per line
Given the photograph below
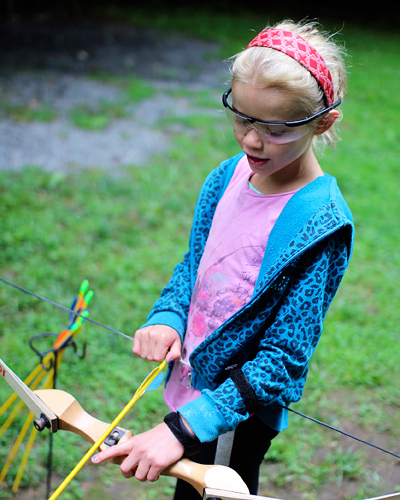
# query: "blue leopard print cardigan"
x,y
273,337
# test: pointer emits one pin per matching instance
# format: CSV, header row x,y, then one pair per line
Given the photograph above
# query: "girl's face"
x,y
281,162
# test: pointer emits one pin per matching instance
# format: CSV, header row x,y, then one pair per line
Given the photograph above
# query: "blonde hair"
x,y
271,68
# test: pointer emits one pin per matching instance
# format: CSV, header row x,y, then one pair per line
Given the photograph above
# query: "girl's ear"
x,y
326,122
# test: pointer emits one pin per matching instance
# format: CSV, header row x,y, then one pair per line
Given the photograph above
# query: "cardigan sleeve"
x,y
278,368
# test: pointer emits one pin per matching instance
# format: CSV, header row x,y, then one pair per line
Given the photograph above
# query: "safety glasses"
x,y
270,131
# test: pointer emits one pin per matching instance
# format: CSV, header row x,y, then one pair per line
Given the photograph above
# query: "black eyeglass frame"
x,y
296,123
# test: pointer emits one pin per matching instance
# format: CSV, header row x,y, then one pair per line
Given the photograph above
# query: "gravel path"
x,y
52,64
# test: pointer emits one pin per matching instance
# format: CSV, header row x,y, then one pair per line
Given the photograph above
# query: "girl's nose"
x,y
252,138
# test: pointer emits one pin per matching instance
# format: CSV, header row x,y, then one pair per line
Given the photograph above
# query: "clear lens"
x,y
277,134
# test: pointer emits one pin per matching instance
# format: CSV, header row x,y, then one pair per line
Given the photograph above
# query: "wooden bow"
x,y
211,481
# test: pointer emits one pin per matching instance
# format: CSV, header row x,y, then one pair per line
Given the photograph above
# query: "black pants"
x,y
251,442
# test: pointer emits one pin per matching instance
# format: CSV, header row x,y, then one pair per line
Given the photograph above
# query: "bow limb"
x,y
73,418
203,477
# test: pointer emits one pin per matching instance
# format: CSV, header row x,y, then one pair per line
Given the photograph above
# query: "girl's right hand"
x,y
157,342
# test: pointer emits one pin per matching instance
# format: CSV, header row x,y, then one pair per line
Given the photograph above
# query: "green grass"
x,y
33,111
125,233
97,117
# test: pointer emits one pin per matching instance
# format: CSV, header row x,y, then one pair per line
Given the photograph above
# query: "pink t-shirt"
x,y
228,270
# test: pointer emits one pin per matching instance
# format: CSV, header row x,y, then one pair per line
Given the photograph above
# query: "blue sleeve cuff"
x,y
204,418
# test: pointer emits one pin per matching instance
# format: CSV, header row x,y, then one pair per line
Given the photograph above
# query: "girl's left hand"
x,y
147,454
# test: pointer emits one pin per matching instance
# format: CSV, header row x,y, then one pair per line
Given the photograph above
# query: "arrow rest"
x,y
115,435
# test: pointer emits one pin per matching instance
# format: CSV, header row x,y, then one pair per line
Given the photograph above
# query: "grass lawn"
x,y
125,233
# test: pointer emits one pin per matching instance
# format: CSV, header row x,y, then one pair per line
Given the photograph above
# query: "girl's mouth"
x,y
256,162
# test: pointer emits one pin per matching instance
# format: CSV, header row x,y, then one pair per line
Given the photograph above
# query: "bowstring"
x,y
319,422
347,434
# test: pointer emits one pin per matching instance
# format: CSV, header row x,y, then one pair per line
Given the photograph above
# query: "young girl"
x,y
270,242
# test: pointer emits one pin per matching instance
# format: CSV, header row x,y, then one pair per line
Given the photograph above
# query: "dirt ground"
x,y
52,64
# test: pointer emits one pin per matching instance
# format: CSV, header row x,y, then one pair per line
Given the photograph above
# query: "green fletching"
x,y
84,286
88,296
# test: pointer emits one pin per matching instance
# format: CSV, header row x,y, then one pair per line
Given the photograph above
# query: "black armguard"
x,y
190,442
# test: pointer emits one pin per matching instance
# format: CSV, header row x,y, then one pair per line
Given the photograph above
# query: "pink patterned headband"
x,y
299,49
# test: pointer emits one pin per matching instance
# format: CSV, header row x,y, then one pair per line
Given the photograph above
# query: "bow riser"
x,y
73,418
